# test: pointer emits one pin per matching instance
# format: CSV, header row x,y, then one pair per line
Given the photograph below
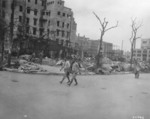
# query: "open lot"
x,y
24,96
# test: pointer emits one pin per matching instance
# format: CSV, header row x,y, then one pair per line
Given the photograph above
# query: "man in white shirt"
x,y
66,67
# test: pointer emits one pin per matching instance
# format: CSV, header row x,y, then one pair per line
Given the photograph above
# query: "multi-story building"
x,y
41,19
26,12
91,46
94,47
83,42
145,43
107,48
62,21
142,54
83,45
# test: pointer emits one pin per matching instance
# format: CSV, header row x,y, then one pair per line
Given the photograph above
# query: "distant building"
x,y
107,48
145,43
94,47
83,45
91,47
142,54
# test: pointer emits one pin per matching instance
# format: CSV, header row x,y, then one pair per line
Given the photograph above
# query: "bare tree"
x,y
103,30
134,37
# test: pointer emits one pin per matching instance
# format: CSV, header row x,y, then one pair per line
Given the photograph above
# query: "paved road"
x,y
24,96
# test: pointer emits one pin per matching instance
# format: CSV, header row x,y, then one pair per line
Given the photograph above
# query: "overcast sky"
x,y
113,10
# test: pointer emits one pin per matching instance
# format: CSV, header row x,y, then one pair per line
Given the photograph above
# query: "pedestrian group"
x,y
71,67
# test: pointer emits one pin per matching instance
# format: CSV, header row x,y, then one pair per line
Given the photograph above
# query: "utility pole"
x,y
11,32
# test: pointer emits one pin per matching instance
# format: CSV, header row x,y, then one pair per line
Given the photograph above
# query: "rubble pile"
x,y
24,64
31,64
30,67
49,61
25,67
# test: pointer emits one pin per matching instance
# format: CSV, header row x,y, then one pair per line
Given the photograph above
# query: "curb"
x,y
37,73
60,74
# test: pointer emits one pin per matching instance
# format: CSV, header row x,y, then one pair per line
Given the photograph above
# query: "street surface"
x,y
24,96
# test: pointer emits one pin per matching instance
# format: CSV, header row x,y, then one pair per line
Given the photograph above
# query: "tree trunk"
x,y
131,55
99,55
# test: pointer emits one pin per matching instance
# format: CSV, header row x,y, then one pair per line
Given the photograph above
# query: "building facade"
x,y
107,48
142,54
91,47
145,43
40,19
83,44
61,22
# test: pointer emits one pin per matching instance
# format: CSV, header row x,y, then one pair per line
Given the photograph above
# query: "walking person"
x,y
75,70
41,57
137,69
66,67
32,59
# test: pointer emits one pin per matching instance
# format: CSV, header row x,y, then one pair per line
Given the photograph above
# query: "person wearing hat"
x,y
75,70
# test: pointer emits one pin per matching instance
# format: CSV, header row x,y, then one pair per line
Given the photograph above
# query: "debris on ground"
x,y
30,64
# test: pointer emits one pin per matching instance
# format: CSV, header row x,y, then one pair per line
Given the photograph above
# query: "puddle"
x,y
14,80
145,93
103,88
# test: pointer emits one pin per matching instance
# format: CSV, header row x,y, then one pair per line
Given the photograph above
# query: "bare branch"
x,y
98,18
112,27
133,20
139,26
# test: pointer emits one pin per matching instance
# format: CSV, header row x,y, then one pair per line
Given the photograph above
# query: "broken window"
x,y
34,30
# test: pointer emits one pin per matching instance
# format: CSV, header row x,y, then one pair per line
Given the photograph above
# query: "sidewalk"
x,y
55,70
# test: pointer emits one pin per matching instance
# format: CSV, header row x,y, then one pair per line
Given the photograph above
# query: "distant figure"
x,y
137,69
41,57
66,66
75,70
32,57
